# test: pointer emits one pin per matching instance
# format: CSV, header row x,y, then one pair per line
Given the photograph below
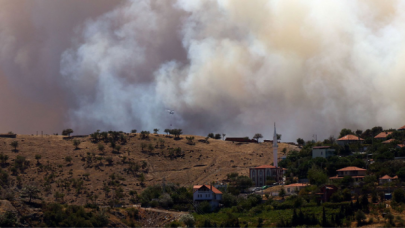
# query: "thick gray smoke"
x,y
230,66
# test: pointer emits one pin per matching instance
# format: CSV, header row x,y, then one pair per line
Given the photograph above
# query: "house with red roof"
x,y
402,128
356,173
387,179
383,135
206,193
348,139
399,146
260,174
294,188
388,141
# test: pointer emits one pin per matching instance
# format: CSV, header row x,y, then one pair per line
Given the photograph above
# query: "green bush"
x,y
229,200
72,216
399,195
204,207
8,219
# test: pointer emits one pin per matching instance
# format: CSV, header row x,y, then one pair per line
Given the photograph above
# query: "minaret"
x,y
275,146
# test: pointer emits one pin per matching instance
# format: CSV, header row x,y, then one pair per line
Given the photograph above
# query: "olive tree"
x,y
31,192
14,144
76,143
67,132
258,136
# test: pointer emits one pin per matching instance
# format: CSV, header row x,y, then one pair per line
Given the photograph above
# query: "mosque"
x,y
259,174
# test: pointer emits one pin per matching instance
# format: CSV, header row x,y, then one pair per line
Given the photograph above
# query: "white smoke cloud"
x,y
232,67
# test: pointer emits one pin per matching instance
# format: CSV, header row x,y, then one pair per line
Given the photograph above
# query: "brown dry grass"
x,y
202,163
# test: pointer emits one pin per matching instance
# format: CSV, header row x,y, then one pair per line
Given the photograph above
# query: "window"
x,y
321,153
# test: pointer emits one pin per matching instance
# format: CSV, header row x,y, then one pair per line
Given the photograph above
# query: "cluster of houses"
x,y
262,173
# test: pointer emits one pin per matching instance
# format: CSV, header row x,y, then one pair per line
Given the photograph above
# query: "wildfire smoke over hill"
x,y
230,67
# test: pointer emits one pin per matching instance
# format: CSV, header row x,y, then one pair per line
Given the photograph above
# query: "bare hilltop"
x,y
55,165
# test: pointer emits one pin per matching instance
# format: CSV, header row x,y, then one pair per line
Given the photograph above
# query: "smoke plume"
x,y
226,66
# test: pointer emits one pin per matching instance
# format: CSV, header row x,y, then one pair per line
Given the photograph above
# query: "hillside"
x,y
198,164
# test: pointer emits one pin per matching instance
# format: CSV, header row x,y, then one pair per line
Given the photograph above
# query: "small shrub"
x,y
68,159
14,144
76,143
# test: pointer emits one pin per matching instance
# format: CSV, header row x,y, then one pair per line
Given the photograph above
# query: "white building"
x,y
206,193
259,174
322,152
294,188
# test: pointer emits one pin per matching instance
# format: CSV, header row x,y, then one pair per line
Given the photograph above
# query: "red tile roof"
x,y
402,128
351,168
350,138
383,135
401,145
388,141
386,177
214,189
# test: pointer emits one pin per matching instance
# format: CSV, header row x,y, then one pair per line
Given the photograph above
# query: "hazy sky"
x,y
230,66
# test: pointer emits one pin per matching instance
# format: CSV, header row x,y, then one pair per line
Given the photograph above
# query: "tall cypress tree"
x,y
365,203
302,218
294,220
357,206
324,220
338,220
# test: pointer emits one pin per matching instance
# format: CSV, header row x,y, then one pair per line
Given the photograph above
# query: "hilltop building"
x,y
206,193
356,173
241,139
259,174
349,139
383,135
322,151
402,128
388,141
387,179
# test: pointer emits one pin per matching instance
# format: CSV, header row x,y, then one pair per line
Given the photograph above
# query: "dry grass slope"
x,y
201,163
